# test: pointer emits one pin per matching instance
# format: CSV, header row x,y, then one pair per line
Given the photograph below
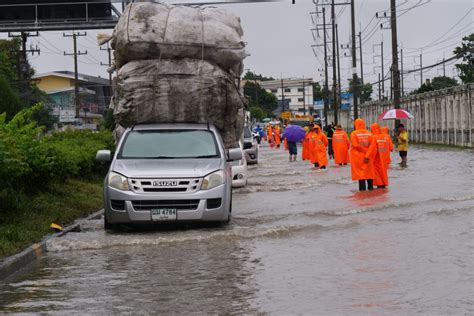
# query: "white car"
x,y
239,171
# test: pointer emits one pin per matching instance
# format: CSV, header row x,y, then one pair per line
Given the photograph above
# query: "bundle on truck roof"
x,y
179,64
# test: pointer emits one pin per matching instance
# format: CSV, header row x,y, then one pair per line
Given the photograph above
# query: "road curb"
x,y
15,262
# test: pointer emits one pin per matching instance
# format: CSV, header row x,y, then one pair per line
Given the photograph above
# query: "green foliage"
x,y
253,76
257,113
108,123
441,82
437,83
266,100
365,90
31,160
466,68
317,91
9,100
16,92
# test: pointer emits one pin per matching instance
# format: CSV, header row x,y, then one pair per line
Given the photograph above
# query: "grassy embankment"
x,y
31,217
45,177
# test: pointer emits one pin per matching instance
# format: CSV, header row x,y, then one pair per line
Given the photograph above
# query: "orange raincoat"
x,y
276,131
340,146
269,134
386,135
306,153
380,159
362,146
318,143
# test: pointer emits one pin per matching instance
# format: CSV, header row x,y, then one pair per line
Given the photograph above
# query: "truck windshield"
x,y
169,144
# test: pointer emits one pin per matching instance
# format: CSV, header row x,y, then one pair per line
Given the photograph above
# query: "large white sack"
x,y
179,91
160,31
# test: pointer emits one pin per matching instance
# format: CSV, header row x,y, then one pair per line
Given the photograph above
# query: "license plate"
x,y
164,214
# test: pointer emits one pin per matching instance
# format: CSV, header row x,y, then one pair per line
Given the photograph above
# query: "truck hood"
x,y
166,168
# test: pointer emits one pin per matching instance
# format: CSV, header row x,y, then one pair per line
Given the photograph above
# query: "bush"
x,y
31,160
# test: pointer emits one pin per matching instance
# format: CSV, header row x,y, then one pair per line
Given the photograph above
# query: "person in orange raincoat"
x,y
380,158
318,143
362,152
305,153
340,146
277,135
386,135
270,134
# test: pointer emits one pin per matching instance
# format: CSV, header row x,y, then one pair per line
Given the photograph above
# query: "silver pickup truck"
x,y
168,173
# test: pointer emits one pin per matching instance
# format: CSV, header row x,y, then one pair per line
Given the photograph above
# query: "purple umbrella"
x,y
294,133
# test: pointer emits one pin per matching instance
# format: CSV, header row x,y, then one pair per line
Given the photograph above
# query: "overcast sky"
x,y
279,38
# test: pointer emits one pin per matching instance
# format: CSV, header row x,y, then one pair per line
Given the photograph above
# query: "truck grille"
x,y
187,205
165,185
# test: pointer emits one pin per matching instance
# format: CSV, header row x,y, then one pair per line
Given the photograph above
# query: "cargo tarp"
x,y
179,91
160,31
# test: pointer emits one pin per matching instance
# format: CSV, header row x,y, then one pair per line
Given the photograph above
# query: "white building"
x,y
298,94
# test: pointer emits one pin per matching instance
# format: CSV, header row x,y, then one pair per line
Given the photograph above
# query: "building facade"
x,y
94,96
296,93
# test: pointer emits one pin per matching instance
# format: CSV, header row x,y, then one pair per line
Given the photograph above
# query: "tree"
x,y
365,90
249,75
267,101
442,82
466,51
317,91
257,113
16,90
437,83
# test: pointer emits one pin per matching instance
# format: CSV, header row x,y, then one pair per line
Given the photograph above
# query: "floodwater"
x,y
301,242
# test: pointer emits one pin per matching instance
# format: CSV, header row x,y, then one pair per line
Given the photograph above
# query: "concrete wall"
x,y
441,117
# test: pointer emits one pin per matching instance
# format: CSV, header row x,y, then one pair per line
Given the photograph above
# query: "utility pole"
x,y
282,94
395,71
421,70
76,53
334,69
380,94
401,72
383,70
304,99
338,68
108,49
391,84
444,67
361,61
326,79
355,92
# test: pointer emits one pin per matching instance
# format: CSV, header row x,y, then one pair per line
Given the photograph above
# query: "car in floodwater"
x,y
239,170
168,173
250,146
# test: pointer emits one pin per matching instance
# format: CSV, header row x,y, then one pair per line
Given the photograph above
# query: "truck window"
x,y
169,144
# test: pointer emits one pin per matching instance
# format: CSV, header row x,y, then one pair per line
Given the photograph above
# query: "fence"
x,y
441,117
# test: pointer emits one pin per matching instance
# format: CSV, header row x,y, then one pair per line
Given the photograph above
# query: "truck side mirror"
x,y
234,154
103,155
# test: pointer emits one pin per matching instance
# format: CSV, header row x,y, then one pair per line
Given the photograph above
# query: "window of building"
x,y
300,89
273,90
287,90
300,100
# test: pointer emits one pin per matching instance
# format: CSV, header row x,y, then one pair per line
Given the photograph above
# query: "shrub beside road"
x,y
45,178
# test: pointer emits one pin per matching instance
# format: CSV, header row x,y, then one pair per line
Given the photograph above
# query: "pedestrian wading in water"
x,y
340,144
402,141
362,154
318,148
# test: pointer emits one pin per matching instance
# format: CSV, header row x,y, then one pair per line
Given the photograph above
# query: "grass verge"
x,y
61,204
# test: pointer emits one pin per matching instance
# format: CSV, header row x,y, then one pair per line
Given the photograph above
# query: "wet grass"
x,y
29,220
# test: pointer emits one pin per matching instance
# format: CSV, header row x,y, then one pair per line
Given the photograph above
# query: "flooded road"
x,y
301,242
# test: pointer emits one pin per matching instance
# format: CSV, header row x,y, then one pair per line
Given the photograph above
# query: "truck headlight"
x,y
213,180
117,181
